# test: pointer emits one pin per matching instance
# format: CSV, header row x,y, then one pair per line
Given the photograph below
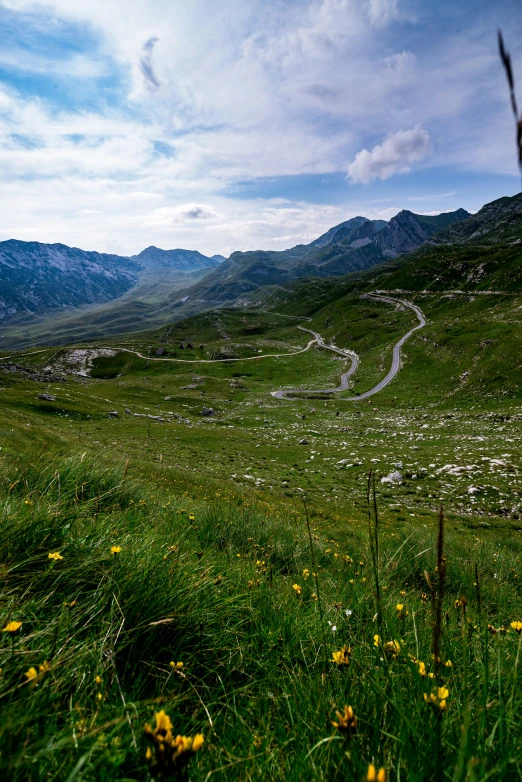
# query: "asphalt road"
x,y
347,354
318,340
396,359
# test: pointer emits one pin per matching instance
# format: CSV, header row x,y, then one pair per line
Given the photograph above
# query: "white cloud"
x,y
235,91
381,12
395,155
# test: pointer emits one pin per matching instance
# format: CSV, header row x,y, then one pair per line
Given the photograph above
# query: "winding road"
x,y
317,340
396,359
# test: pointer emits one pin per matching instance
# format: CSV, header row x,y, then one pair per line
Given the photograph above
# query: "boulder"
x,y
304,441
207,411
47,397
393,477
113,414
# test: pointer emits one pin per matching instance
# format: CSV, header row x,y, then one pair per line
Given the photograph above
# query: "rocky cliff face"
x,y
407,231
36,277
338,232
402,234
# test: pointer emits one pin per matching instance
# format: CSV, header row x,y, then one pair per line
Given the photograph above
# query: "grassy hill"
x,y
259,570
183,539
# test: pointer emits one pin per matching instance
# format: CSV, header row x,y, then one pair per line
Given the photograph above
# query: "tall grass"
x,y
210,584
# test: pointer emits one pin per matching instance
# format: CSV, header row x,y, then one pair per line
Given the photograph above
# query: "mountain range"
x,y
37,278
351,246
409,251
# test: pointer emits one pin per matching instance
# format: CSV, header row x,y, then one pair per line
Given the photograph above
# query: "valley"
x,y
206,514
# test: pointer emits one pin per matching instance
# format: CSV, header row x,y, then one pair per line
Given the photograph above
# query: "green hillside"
x,y
305,588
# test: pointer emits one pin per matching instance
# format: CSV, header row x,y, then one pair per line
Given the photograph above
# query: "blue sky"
x,y
247,123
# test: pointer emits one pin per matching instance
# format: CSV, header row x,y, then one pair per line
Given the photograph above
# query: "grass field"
x,y
178,538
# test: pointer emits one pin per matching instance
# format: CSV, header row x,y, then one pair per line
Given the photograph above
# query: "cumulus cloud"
x,y
236,91
395,155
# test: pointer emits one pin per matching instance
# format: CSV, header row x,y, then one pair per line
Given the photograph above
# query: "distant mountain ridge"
x,y
181,260
38,278
498,221
477,252
351,246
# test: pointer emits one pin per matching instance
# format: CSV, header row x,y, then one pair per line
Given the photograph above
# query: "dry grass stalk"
x,y
506,62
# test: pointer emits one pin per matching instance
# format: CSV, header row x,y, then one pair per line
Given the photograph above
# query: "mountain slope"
x,y
180,260
480,254
36,277
498,221
349,247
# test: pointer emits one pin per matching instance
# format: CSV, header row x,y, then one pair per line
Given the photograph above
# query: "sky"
x,y
248,124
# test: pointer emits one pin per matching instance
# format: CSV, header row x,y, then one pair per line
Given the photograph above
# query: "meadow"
x,y
277,598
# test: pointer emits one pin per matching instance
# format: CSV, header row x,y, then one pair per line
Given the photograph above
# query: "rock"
x,y
47,397
207,411
113,414
393,477
304,441
129,412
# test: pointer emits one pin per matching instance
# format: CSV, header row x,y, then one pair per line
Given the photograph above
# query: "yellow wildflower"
x,y
31,674
179,748
12,627
115,549
517,626
97,680
54,555
392,648
399,607
377,641
437,698
375,776
342,657
422,668
306,573
297,589
346,721
448,664
177,666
